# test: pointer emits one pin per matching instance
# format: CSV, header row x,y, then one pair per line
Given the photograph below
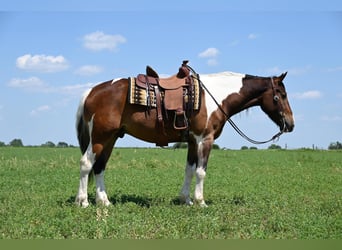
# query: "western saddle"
x,y
175,93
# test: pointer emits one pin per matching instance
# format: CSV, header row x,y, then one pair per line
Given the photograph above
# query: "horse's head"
x,y
275,104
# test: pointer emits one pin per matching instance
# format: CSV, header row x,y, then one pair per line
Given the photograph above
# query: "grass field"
x,y
251,194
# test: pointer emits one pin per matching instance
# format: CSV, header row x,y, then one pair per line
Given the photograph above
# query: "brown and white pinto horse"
x,y
104,115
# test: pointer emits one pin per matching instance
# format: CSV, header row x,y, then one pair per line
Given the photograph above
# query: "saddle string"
x,y
236,128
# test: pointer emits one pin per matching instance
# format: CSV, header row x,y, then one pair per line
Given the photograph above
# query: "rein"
x,y
235,127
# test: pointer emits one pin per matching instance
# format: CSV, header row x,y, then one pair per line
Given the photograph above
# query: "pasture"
x,y
252,194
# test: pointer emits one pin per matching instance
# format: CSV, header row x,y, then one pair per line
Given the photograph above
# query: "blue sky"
x,y
51,53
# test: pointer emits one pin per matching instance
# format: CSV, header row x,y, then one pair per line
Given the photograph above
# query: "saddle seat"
x,y
173,82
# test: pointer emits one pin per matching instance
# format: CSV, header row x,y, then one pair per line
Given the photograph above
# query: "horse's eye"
x,y
276,98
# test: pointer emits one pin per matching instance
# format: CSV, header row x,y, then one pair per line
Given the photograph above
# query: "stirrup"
x,y
180,121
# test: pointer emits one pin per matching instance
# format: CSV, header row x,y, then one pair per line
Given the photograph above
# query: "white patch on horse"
x,y
86,164
200,175
101,196
115,80
190,170
80,108
220,85
185,193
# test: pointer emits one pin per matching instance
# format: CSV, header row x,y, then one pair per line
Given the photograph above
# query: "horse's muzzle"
x,y
289,124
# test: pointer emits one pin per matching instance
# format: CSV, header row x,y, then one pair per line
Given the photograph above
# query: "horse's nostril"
x,y
289,126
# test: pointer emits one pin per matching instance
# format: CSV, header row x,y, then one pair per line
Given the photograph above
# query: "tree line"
x,y
48,144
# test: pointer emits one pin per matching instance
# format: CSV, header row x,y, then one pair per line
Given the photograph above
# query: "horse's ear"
x,y
282,76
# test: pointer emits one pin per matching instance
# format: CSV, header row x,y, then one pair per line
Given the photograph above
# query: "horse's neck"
x,y
232,91
220,86
235,104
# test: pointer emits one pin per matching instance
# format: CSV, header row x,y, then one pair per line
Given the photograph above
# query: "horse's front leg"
x,y
185,193
190,169
197,159
203,151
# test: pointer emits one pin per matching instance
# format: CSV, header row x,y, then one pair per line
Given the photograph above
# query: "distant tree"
x,y
2,144
16,143
244,148
180,145
185,145
49,144
335,145
62,144
274,146
253,148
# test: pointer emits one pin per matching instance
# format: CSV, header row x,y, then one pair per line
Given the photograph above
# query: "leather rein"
x,y
235,127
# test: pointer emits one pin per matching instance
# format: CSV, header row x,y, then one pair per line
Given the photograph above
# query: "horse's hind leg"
x,y
95,158
86,165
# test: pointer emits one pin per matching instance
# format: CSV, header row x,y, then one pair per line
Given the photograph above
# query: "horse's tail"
x,y
82,127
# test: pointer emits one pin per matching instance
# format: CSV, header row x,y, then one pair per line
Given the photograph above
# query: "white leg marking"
x,y
200,175
86,164
185,193
101,196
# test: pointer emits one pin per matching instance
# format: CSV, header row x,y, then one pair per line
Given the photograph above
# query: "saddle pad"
x,y
139,95
197,93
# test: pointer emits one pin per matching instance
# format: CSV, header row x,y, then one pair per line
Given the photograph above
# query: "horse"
x,y
104,115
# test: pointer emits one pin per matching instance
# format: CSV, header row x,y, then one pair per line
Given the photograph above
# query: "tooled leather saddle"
x,y
178,94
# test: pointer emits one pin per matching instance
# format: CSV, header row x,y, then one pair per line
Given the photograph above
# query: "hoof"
x,y
103,202
202,203
81,202
185,200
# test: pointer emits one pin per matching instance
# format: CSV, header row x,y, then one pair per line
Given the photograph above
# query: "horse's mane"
x,y
247,76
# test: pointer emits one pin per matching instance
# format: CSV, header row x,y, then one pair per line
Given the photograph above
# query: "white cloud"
x,y
212,62
29,83
311,94
336,69
40,109
274,71
42,63
98,41
88,70
300,70
234,43
34,84
76,89
210,52
292,71
334,118
252,36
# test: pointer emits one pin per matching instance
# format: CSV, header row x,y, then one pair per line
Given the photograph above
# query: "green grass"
x,y
251,194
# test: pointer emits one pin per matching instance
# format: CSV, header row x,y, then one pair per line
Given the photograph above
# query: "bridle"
x,y
276,99
235,127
